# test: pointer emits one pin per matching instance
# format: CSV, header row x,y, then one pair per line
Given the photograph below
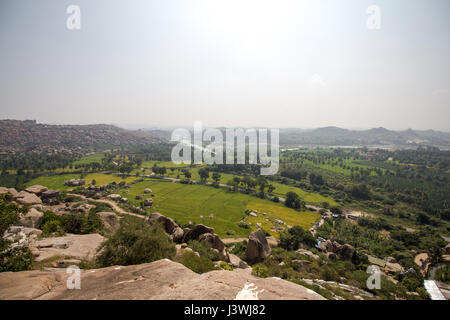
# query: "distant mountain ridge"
x,y
28,135
334,136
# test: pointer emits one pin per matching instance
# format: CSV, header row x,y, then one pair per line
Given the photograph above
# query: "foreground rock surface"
x,y
159,280
77,246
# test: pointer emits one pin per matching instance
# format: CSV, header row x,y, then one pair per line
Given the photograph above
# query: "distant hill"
x,y
23,136
334,136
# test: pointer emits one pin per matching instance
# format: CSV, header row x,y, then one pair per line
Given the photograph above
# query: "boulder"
x,y
272,241
148,202
74,182
49,194
345,252
32,232
332,246
216,243
307,253
301,263
169,225
447,249
36,189
32,219
24,197
115,197
12,191
177,234
236,262
331,256
195,232
147,190
110,220
257,247
391,260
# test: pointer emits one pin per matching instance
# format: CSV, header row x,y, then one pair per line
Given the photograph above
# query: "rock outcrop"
x,y
169,225
77,246
36,189
257,247
110,220
195,232
24,197
32,219
334,250
159,280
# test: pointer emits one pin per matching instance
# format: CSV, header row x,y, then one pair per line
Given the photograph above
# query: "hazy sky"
x,y
276,63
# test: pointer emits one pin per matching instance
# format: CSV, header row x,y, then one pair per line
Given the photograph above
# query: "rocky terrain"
x,y
30,136
162,280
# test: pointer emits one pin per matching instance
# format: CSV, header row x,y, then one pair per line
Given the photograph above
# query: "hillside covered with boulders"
x,y
26,136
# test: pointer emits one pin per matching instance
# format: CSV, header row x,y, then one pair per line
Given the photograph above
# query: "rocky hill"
x,y
159,280
25,136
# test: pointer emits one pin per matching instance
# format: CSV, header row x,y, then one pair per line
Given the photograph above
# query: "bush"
x,y
197,264
260,271
293,201
204,249
292,238
16,259
135,243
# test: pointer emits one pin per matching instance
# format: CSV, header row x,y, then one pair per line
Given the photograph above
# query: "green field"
x,y
187,203
56,181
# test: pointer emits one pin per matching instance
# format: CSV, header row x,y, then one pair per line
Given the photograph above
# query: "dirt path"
x,y
233,240
110,203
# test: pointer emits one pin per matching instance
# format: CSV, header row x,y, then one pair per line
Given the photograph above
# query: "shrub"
x,y
134,243
260,271
292,238
197,264
293,201
16,259
204,249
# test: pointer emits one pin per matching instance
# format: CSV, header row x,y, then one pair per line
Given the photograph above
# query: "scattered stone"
x,y
253,214
147,190
74,182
